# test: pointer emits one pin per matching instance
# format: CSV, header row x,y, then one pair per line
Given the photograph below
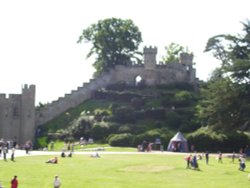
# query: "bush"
x,y
183,98
137,102
42,142
99,131
207,139
124,114
173,120
125,139
156,113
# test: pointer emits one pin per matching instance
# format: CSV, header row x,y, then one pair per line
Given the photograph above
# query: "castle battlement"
x,y
186,58
29,118
150,50
17,115
2,96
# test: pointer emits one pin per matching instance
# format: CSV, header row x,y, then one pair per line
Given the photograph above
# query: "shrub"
x,y
155,113
124,114
99,131
124,129
183,98
42,142
125,139
137,102
173,120
207,139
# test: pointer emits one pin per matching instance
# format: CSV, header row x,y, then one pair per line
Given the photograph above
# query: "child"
x,y
188,159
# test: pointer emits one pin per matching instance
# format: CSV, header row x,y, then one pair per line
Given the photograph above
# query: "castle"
x,y
19,119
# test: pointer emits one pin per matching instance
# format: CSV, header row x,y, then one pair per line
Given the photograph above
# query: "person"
x,y
27,147
188,159
233,157
51,145
53,160
63,154
220,157
5,151
207,157
57,182
95,155
14,143
14,182
242,161
70,154
194,162
13,154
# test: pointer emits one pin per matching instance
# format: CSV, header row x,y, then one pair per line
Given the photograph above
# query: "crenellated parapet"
x,y
186,58
150,50
17,115
19,118
72,99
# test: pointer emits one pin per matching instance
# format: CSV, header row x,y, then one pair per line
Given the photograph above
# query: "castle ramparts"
x,y
150,72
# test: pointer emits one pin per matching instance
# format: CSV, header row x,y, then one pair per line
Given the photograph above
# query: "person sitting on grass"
x,y
63,154
52,161
95,155
70,154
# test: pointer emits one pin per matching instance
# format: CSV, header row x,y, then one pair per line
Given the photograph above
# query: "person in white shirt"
x,y
57,182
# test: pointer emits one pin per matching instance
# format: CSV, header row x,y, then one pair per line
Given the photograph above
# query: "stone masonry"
x,y
19,119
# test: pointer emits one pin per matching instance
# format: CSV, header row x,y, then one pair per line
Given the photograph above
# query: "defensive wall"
x,y
150,72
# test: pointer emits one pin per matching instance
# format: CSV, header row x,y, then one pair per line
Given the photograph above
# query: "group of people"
x,y
145,146
63,154
14,182
4,150
192,160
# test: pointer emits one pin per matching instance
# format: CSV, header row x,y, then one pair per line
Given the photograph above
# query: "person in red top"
x,y
14,182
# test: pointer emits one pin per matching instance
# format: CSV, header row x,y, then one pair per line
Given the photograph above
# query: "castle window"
x,y
15,112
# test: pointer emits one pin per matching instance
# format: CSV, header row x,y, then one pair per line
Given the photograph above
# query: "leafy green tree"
x,y
173,51
220,105
226,102
114,41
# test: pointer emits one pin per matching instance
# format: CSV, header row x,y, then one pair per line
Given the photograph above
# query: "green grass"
x,y
123,171
59,146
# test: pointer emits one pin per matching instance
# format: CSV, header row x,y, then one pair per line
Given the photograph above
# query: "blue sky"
x,y
38,38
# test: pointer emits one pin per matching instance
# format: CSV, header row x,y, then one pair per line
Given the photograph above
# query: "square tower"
x,y
150,57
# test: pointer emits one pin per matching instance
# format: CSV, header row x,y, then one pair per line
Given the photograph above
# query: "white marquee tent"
x,y
178,143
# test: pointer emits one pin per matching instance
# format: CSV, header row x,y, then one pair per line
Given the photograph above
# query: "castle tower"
x,y
150,57
27,125
186,59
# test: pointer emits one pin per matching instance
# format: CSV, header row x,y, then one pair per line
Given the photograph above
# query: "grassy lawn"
x,y
123,171
59,146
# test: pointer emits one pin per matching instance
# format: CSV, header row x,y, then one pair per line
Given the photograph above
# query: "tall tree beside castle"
x,y
115,42
226,103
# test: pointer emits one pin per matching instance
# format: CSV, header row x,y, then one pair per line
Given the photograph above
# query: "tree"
x,y
226,102
220,107
173,52
115,42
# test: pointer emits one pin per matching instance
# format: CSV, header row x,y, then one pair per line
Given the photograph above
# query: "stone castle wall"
x,y
17,115
150,72
28,119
